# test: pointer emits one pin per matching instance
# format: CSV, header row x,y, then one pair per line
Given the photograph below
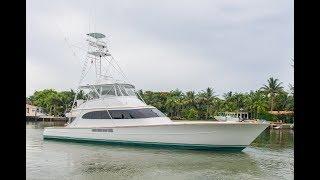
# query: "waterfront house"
x,y
243,115
34,111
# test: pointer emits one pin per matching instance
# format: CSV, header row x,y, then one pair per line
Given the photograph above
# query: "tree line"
x,y
191,105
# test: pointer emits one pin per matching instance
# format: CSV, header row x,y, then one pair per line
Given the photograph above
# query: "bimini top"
x,y
96,35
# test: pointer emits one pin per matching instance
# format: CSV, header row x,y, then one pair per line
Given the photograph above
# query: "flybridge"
x,y
100,59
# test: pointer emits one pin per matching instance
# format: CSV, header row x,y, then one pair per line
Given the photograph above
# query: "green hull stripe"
x,y
152,144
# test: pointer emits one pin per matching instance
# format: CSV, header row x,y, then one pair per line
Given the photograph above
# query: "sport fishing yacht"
x,y
113,112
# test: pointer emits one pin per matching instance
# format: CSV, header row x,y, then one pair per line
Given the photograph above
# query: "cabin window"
x,y
136,113
123,91
124,114
93,95
108,90
159,113
129,90
120,114
118,90
96,115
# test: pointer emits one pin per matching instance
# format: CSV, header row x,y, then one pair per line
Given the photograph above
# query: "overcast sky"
x,y
163,45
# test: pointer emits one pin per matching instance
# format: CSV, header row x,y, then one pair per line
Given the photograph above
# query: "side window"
x,y
143,113
120,114
104,115
136,113
130,91
124,114
123,91
116,114
92,95
96,115
159,113
108,90
117,90
148,113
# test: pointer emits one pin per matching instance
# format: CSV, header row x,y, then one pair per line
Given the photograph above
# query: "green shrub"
x,y
267,116
190,114
286,118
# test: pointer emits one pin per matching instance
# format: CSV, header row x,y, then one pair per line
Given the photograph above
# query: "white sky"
x,y
163,45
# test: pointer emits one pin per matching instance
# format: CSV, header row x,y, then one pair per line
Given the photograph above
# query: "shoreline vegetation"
x,y
191,105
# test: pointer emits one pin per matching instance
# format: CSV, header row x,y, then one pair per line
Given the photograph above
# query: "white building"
x,y
34,111
238,114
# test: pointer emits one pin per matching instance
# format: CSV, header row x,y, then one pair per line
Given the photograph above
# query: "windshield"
x,y
95,91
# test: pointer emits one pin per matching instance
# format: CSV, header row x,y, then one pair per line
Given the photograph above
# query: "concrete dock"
x,y
46,118
275,125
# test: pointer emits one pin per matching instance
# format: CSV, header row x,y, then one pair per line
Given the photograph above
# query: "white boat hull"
x,y
209,135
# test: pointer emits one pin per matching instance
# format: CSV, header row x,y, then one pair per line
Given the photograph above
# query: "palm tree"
x,y
229,104
256,103
291,87
227,95
207,97
171,105
238,100
260,105
190,99
272,89
174,102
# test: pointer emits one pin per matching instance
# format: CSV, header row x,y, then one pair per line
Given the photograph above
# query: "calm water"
x,y
269,157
